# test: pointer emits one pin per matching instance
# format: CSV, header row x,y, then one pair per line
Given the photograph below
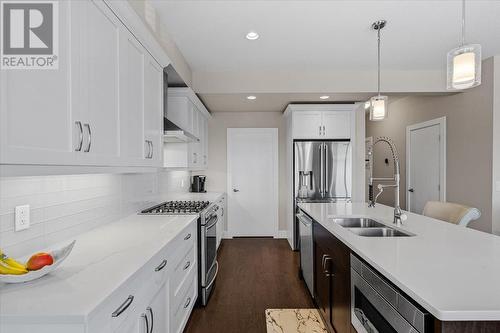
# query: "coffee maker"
x,y
198,184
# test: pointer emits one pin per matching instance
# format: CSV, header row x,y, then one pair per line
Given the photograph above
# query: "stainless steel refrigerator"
x,y
322,173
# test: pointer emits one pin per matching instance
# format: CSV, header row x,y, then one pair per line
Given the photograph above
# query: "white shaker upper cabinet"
x,y
153,111
134,148
307,125
99,32
336,124
323,122
36,109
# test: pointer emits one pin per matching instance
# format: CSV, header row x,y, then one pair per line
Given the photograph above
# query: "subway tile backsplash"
x,y
64,206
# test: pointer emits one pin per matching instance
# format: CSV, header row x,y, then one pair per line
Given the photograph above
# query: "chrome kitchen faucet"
x,y
399,217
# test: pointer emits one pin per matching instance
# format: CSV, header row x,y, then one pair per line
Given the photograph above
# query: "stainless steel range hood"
x,y
173,133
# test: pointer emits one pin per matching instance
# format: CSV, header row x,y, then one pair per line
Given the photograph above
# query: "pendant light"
x,y
378,104
464,63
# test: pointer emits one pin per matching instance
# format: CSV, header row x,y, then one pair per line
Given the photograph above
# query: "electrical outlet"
x,y
22,217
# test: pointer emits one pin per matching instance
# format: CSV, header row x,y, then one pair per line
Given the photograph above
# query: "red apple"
x,y
39,260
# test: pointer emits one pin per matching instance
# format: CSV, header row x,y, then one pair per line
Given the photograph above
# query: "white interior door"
x,y
252,181
426,163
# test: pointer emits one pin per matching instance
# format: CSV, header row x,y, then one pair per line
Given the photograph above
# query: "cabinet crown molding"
x,y
320,107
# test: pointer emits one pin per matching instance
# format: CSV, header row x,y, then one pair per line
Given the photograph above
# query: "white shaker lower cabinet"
x,y
102,107
160,297
221,222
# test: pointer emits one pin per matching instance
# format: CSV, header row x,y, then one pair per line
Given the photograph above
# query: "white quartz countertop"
x,y
102,260
452,271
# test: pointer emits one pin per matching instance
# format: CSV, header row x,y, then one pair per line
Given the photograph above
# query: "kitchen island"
x,y
450,271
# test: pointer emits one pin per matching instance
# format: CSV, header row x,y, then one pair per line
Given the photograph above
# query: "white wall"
x,y
64,206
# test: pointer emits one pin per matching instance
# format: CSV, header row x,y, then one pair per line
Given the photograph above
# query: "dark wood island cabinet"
x,y
332,289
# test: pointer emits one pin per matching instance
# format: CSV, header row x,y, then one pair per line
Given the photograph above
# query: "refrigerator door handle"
x,y
322,169
326,168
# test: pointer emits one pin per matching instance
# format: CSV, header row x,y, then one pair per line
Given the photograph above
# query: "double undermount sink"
x,y
367,227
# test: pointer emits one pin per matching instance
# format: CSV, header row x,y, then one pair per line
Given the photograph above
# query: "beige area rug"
x,y
294,321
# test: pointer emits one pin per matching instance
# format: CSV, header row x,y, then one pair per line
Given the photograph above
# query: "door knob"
x,y
411,190
235,190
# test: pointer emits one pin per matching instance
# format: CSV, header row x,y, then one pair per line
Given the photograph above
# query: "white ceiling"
x,y
274,102
323,36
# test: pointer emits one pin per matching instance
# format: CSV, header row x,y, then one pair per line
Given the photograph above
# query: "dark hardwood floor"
x,y
255,274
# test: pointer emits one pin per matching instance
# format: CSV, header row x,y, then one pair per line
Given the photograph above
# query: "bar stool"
x,y
451,212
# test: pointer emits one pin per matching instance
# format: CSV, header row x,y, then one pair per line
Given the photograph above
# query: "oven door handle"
x,y
214,217
213,279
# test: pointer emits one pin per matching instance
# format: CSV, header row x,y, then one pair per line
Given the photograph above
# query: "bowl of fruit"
x,y
38,265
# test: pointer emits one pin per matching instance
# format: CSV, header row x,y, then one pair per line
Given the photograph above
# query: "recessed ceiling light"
x,y
324,97
252,35
251,97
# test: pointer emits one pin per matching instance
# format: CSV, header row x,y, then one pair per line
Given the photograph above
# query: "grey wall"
x,y
496,148
469,117
217,149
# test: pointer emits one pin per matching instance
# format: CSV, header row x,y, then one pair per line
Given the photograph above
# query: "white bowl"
x,y
59,256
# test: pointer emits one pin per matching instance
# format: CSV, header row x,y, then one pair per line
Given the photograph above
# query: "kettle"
x,y
198,184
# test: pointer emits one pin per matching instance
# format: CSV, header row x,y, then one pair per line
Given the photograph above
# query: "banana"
x,y
11,262
6,269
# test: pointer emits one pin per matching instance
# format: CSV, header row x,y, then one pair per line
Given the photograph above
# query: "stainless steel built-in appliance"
x,y
322,173
378,306
198,184
207,238
306,250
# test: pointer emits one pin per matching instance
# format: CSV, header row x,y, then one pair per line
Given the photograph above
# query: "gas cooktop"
x,y
176,208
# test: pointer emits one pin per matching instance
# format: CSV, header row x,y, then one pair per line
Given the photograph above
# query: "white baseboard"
x,y
282,234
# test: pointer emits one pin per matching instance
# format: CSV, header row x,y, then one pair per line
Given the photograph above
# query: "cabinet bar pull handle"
x,y
187,237
89,136
326,270
80,128
187,302
161,265
152,318
151,143
123,307
148,150
326,166
145,321
187,265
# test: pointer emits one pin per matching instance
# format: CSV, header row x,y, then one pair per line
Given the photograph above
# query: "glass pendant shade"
x,y
378,108
464,67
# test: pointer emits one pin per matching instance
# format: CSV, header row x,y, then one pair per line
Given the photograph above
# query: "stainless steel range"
x,y
177,208
207,238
